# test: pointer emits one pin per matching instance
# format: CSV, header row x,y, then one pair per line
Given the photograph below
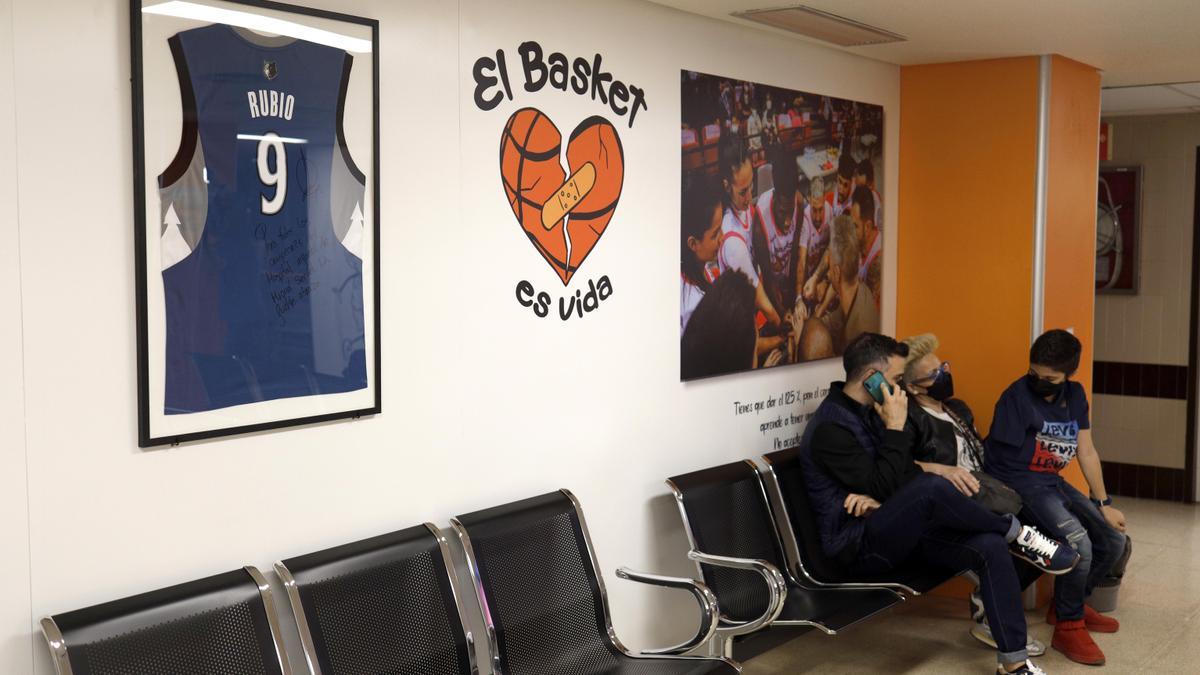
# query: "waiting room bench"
x,y
543,600
739,555
387,604
784,480
225,623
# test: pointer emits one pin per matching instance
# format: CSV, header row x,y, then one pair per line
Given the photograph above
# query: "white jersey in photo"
x,y
691,294
779,243
814,237
737,244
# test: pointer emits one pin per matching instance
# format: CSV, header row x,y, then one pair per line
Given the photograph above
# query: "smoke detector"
x,y
820,25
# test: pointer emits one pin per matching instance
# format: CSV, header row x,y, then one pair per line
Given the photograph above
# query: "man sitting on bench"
x,y
876,510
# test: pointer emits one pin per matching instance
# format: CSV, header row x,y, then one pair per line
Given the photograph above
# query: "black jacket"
x,y
933,439
878,474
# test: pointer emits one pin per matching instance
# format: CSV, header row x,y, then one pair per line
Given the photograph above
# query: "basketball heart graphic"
x,y
562,215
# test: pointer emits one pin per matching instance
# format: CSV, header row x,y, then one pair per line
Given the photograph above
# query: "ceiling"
x,y
1158,99
1132,42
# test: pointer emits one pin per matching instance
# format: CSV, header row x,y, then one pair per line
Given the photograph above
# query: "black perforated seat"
x,y
735,543
544,601
381,605
220,624
785,484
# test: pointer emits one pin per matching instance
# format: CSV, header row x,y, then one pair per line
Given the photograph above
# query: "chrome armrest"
x,y
471,653
58,646
708,607
776,588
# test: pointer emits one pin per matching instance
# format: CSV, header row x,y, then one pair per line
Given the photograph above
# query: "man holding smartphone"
x,y
877,511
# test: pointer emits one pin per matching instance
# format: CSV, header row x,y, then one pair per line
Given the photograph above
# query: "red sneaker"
x,y
1073,640
1095,621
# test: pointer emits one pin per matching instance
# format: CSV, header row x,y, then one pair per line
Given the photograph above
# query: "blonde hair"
x,y
919,346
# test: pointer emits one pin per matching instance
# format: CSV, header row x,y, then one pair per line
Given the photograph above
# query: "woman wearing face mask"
x,y
946,443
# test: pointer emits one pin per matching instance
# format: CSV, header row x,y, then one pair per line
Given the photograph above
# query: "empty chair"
x,y
731,531
220,624
544,602
381,605
802,543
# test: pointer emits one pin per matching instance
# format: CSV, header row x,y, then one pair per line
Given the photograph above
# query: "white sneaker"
x,y
1026,669
975,606
1048,555
982,632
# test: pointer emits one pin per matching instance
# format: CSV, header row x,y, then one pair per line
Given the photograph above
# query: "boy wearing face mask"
x,y
1040,425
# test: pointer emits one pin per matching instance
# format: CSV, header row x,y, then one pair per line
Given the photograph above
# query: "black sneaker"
x,y
1046,554
1026,669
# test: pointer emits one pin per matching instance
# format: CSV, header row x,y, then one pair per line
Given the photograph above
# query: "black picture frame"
x,y
147,437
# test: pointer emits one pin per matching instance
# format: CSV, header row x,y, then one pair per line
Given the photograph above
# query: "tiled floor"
x,y
1159,610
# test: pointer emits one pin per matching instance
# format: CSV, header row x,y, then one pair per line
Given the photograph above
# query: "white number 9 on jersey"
x,y
278,177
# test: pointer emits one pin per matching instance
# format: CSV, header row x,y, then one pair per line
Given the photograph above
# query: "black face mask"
x,y
1043,388
942,388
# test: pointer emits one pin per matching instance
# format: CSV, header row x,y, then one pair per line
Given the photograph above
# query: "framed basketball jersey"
x,y
257,238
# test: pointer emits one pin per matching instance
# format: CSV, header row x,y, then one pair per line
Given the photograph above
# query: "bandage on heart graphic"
x,y
563,216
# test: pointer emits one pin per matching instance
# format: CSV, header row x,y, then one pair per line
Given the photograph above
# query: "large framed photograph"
x,y
256,209
1118,216
781,225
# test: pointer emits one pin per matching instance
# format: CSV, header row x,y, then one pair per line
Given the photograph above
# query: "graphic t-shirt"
x,y
1033,439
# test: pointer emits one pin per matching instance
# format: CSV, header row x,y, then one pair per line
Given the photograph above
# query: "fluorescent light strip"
x,y
281,139
262,24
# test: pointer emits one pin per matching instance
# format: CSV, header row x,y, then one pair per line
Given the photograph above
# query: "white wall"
x,y
1153,325
16,649
476,408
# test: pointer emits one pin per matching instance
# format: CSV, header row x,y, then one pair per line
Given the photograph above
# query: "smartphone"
x,y
875,384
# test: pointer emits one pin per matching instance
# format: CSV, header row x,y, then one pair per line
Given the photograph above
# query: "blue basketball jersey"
x,y
262,224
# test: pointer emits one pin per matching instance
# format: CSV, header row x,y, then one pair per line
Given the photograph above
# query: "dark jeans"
x,y
930,521
1062,512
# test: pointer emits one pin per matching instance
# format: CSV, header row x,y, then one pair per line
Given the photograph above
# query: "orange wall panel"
x,y
968,160
1071,212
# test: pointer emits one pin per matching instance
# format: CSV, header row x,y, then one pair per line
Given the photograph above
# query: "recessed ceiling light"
x,y
821,25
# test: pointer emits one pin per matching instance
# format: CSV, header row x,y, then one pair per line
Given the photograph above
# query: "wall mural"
x,y
563,196
781,225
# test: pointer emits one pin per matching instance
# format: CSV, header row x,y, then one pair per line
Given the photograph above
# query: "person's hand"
x,y
1114,517
799,314
960,478
810,288
859,505
793,338
774,358
894,409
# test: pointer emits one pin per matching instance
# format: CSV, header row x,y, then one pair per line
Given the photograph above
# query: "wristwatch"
x,y
1107,501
